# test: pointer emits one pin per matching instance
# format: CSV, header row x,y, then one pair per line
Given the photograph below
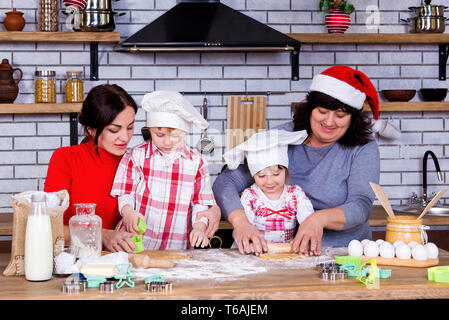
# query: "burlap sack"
x,y
21,205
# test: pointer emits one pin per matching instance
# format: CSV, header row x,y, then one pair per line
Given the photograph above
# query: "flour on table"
x,y
228,265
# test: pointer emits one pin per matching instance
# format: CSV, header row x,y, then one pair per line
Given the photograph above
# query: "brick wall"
x,y
27,141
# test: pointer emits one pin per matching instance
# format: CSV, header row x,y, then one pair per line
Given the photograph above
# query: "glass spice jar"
x,y
45,86
74,88
48,15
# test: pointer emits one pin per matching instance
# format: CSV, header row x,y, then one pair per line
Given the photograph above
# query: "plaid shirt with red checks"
x,y
164,192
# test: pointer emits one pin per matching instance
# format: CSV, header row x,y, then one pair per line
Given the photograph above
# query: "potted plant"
x,y
337,14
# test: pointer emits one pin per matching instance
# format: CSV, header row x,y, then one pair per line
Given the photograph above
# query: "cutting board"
x,y
246,115
404,262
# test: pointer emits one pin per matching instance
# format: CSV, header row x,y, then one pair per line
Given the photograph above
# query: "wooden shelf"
x,y
412,106
403,107
379,38
77,37
36,108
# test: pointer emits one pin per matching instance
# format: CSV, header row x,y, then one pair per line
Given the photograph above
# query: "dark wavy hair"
x,y
101,106
359,131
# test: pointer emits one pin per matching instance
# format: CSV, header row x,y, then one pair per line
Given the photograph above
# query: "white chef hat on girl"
x,y
172,110
264,149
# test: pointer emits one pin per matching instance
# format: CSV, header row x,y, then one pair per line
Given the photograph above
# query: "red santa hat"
x,y
349,86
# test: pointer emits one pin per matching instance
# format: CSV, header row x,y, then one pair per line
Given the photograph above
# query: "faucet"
x,y
424,173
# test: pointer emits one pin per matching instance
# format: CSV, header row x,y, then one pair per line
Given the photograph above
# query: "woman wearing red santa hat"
x,y
334,165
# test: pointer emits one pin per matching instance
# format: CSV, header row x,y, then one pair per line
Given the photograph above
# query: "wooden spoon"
x,y
431,203
379,192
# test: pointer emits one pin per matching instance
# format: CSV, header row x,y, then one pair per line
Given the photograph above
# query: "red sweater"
x,y
88,179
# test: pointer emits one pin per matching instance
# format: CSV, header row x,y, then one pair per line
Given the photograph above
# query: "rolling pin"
x,y
280,247
144,261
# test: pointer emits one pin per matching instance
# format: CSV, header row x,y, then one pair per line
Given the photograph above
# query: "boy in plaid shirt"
x,y
272,205
164,182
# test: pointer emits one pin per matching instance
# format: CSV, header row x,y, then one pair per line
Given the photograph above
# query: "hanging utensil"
x,y
380,194
431,203
205,145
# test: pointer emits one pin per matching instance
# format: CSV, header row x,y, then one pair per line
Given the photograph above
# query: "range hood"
x,y
208,25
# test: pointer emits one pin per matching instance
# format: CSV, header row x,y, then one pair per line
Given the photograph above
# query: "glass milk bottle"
x,y
85,231
38,241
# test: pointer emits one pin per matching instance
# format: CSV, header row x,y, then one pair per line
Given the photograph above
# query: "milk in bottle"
x,y
38,241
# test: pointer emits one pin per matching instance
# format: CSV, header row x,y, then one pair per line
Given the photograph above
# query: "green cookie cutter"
x,y
438,274
154,278
124,275
142,226
95,282
139,244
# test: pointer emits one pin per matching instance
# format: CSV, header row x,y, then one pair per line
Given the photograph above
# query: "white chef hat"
x,y
172,110
264,149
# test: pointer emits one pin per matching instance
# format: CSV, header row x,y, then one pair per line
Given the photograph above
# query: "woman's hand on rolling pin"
x,y
246,236
308,238
213,215
115,241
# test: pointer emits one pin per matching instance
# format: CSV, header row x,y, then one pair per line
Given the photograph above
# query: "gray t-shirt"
x,y
331,177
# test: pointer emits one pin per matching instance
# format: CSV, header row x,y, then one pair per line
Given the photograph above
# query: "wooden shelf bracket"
x,y
443,55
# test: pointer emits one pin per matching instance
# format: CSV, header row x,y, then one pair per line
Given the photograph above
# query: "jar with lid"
x,y
38,241
45,86
48,15
74,88
85,231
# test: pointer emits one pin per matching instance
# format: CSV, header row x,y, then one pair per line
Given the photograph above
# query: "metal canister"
x,y
48,15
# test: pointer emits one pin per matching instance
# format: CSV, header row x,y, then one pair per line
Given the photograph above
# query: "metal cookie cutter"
x,y
333,274
107,286
159,287
157,284
71,287
326,265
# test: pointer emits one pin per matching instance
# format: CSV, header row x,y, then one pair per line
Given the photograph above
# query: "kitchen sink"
x,y
434,211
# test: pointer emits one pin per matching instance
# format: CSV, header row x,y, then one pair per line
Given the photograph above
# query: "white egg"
x,y
386,250
365,241
397,243
379,242
355,248
369,242
419,252
432,250
411,244
403,251
371,249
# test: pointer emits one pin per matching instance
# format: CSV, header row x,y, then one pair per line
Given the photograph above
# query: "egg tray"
x,y
403,262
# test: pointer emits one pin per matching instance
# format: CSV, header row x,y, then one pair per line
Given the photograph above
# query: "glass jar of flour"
x,y
85,231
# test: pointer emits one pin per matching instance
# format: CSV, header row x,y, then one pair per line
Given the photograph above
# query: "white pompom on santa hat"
x,y
349,86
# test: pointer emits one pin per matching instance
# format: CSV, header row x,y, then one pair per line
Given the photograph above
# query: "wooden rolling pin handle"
x,y
280,247
144,261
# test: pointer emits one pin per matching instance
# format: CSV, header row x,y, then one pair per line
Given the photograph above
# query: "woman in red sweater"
x,y
87,170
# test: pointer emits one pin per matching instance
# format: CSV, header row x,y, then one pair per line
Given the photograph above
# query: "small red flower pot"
x,y
337,21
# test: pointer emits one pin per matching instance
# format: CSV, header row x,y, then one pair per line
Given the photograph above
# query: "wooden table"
x,y
303,284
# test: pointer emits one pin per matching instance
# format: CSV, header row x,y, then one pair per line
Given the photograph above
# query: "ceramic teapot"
x,y
9,88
